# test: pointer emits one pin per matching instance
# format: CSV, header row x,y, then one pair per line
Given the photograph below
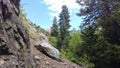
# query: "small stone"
x,y
47,62
37,57
2,61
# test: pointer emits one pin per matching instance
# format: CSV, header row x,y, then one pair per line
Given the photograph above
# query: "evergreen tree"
x,y
54,28
63,38
102,42
104,11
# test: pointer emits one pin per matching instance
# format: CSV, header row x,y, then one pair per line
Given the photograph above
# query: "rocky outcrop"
x,y
48,49
14,40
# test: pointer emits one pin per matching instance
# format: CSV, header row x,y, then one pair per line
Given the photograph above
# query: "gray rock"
x,y
14,40
48,49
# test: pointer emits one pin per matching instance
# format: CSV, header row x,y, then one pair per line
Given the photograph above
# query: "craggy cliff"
x,y
14,40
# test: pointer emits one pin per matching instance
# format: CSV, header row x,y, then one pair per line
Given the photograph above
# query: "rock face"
x,y
14,40
48,49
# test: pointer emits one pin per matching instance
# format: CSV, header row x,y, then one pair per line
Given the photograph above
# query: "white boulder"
x,y
48,49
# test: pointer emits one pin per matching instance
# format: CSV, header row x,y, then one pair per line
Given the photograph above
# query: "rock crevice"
x,y
14,40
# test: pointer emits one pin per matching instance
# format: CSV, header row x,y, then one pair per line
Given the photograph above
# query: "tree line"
x,y
98,45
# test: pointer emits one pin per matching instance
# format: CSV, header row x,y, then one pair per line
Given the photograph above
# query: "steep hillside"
x,y
38,34
18,37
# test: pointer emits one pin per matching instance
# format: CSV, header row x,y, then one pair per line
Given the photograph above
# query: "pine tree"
x,y
54,28
63,38
101,15
104,11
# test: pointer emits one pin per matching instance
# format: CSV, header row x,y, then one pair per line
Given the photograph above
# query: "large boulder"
x,y
48,49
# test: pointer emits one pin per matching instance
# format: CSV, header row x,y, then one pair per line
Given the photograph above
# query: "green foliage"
x,y
85,62
54,28
70,52
75,39
53,41
63,37
23,19
98,43
100,33
66,53
34,35
25,23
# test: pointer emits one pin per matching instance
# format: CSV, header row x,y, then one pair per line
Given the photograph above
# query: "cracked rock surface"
x,y
14,40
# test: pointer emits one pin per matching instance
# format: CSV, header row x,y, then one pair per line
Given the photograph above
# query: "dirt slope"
x,y
44,61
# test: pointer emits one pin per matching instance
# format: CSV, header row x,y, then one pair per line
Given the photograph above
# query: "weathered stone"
x,y
14,40
48,49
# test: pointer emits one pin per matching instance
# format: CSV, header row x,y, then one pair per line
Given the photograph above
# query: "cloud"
x,y
55,6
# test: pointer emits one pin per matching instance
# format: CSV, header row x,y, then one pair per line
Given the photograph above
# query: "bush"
x,y
34,35
85,62
53,41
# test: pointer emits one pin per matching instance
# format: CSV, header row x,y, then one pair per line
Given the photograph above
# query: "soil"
x,y
44,61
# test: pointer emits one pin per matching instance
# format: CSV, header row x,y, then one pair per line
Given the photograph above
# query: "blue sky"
x,y
42,12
